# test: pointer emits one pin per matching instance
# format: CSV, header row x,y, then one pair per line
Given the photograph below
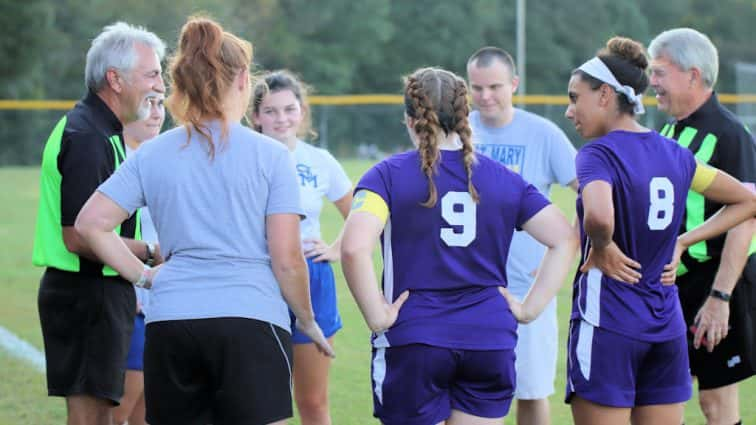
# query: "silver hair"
x,y
114,47
688,48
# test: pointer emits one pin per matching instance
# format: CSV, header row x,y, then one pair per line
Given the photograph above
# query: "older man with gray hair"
x,y
714,291
86,310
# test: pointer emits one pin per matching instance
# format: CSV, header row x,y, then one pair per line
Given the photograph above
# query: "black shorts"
x,y
86,327
222,371
734,359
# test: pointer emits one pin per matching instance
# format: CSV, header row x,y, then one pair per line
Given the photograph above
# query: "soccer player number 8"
x,y
458,209
662,198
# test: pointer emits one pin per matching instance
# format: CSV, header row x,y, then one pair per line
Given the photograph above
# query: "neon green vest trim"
x,y
686,137
667,130
695,203
49,248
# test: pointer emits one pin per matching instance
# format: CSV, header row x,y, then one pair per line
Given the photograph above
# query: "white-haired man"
x,y
714,291
86,310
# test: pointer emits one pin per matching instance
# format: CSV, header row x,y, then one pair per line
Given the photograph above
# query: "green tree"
x,y
26,30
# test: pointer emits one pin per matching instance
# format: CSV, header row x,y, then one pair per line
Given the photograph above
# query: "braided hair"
x,y
436,100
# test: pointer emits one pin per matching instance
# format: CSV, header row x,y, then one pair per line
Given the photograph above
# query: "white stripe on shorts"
x,y
584,349
379,372
593,297
288,364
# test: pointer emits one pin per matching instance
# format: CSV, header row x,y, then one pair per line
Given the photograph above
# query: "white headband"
x,y
596,68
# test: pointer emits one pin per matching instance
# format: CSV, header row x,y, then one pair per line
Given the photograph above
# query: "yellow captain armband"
x,y
370,202
703,177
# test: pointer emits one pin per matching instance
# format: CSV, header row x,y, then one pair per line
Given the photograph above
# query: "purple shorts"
x,y
610,369
420,384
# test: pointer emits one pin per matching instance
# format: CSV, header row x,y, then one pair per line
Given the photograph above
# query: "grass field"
x,y
23,396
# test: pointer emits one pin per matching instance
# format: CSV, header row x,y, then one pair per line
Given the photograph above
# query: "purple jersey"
x,y
450,257
650,177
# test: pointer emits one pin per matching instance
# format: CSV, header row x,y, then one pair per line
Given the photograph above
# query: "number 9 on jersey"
x,y
458,209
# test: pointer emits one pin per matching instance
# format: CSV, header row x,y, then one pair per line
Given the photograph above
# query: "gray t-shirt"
x,y
539,151
148,235
210,219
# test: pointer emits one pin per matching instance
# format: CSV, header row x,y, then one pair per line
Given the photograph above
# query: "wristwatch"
x,y
150,254
716,293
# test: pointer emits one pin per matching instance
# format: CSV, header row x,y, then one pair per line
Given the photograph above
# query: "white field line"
x,y
21,349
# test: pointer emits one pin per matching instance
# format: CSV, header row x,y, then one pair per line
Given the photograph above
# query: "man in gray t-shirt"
x,y
539,151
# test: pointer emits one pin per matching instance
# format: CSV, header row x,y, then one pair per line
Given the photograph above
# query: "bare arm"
x,y
95,224
290,270
76,244
598,222
319,249
344,204
575,222
598,217
288,264
549,227
740,204
360,236
737,215
734,255
713,317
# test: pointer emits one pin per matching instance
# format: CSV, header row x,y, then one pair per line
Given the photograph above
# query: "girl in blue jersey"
x,y
280,110
444,333
627,352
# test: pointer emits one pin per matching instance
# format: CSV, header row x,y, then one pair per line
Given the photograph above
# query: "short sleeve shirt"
x,y
319,175
83,150
540,152
451,257
650,176
210,216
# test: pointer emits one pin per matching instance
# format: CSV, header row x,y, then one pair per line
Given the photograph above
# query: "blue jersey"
x,y
450,257
650,176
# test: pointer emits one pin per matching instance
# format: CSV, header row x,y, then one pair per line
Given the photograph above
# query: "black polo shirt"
x,y
716,137
83,150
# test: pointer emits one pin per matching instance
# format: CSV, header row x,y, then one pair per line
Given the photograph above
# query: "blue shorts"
x,y
135,360
324,303
610,369
420,384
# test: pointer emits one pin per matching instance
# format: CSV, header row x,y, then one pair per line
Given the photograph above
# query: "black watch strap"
x,y
716,293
